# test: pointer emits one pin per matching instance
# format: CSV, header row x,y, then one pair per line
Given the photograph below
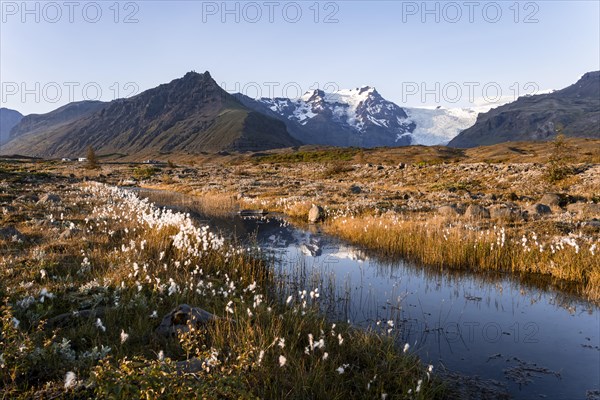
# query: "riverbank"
x,y
484,211
93,280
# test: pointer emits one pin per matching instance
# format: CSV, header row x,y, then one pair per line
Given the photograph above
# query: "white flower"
x,y
124,336
161,356
406,347
282,361
289,299
70,380
99,325
325,356
419,382
228,307
260,356
340,339
281,343
154,314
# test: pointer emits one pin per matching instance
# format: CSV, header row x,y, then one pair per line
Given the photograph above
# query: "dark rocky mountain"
x,y
573,111
8,119
38,123
188,115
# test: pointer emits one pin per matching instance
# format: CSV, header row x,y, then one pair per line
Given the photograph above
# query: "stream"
x,y
504,337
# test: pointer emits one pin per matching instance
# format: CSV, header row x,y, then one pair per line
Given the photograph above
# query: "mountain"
x,y
574,110
8,119
361,117
188,115
38,123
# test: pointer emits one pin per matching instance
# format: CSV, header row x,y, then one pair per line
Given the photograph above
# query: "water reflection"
x,y
517,333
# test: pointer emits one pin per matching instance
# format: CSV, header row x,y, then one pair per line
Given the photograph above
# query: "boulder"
x,y
591,209
355,189
316,214
551,199
475,211
49,198
538,209
180,319
448,211
11,233
503,212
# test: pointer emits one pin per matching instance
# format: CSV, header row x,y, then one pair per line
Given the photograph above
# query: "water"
x,y
524,338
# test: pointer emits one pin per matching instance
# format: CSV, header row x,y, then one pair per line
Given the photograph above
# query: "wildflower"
x,y
45,294
124,336
340,339
419,382
289,299
281,343
406,347
282,361
340,370
260,357
228,307
99,325
325,356
161,356
43,273
154,314
70,380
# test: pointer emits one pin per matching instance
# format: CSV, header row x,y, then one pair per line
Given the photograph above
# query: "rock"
x,y
355,189
503,212
448,211
27,198
316,214
591,209
11,233
190,366
477,212
68,233
538,209
178,320
593,223
551,199
49,198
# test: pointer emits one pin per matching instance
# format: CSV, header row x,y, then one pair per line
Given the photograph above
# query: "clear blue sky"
x,y
382,44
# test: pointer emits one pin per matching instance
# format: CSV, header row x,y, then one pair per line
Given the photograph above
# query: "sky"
x,y
444,53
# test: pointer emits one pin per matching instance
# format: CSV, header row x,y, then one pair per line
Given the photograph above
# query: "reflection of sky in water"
x,y
470,324
473,324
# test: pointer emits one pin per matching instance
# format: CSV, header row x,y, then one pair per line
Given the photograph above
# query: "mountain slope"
x,y
38,123
8,119
361,117
574,110
188,115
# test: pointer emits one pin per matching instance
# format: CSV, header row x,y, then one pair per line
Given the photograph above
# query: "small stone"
x,y
315,214
49,198
477,212
180,319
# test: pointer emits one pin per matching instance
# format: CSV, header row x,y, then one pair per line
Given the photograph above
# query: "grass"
x,y
127,262
456,244
330,155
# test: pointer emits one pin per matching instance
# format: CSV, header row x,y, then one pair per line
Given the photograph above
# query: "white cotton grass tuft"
x,y
406,347
124,336
70,380
100,325
282,361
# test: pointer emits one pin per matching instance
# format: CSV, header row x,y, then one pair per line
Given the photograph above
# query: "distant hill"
x,y
188,115
574,111
8,119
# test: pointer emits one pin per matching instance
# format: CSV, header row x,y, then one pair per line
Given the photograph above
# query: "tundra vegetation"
x,y
89,270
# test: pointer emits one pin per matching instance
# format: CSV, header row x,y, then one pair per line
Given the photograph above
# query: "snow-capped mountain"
x,y
361,117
